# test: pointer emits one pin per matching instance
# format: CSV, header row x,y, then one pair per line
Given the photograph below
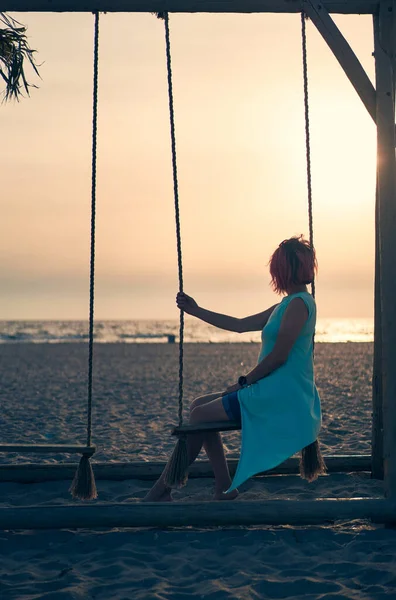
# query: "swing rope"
x,y
307,132
93,224
176,471
177,209
311,457
83,485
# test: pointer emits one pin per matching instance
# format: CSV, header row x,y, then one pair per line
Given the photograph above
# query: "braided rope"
x,y
93,215
165,17
308,145
307,133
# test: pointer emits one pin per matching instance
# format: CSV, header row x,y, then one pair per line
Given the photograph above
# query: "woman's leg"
x,y
214,411
159,491
214,449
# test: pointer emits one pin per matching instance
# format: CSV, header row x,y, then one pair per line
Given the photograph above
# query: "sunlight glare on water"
x,y
155,331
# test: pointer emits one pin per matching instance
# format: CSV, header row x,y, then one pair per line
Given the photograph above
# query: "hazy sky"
x,y
241,150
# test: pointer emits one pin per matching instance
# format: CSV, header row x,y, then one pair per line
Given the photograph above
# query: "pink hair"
x,y
293,262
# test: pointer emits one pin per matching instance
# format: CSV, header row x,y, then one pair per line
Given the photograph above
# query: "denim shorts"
x,y
232,407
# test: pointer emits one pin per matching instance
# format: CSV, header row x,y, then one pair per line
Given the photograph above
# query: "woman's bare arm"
x,y
252,323
256,322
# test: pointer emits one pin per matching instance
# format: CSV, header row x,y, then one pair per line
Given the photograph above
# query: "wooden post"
x,y
377,438
386,188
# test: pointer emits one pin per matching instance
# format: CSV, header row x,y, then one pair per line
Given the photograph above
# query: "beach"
x,y
135,402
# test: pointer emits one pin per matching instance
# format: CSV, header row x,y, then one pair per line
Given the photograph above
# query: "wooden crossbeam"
x,y
343,53
198,514
47,449
149,471
185,6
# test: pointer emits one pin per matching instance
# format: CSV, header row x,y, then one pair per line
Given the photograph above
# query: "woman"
x,y
277,401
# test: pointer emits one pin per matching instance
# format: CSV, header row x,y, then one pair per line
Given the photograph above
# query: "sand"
x,y
43,396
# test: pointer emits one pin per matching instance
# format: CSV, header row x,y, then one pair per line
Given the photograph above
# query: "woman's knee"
x,y
193,404
197,402
200,400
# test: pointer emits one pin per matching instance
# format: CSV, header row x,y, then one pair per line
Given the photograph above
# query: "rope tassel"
x,y
83,486
176,472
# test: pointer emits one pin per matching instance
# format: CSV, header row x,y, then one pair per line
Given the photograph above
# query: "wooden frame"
x,y
149,471
199,514
349,7
343,53
380,103
384,34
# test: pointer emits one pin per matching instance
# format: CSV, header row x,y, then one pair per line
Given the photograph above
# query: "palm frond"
x,y
14,49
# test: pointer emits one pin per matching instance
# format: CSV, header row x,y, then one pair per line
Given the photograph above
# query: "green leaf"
x,y
14,51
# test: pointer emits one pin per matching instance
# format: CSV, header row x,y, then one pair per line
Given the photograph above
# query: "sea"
x,y
330,330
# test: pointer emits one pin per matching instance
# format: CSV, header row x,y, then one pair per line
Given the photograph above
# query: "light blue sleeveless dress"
x,y
280,413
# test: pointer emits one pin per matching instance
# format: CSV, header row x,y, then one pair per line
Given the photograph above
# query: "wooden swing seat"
x,y
207,427
49,448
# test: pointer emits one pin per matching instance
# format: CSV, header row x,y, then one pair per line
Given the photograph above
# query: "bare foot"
x,y
223,496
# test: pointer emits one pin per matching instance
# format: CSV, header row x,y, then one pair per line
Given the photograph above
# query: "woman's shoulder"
x,y
305,297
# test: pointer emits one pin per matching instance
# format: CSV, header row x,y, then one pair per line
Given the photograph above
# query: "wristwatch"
x,y
242,381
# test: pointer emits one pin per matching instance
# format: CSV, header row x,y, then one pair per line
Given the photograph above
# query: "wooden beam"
x,y
184,6
198,514
377,437
148,471
377,432
386,177
47,449
343,52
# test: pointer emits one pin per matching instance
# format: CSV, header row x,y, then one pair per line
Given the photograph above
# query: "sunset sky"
x,y
241,151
